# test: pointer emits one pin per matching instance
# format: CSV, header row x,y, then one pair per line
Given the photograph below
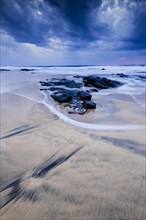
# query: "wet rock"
x,y
99,82
4,70
142,77
61,98
89,105
109,83
44,83
54,88
84,95
121,75
44,89
93,90
26,69
76,108
73,84
78,76
103,68
63,82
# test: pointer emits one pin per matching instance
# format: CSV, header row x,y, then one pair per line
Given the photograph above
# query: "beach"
x,y
56,165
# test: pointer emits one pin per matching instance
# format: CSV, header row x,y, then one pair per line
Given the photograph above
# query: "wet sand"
x,y
51,169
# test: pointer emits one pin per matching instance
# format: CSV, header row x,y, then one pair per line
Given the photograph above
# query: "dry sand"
x,y
54,170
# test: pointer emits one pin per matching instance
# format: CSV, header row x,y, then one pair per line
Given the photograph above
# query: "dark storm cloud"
x,y
35,21
20,19
80,15
137,38
77,22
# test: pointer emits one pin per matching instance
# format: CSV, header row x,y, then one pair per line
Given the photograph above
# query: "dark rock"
x,y
103,68
99,82
84,95
141,77
89,105
77,76
61,98
43,89
93,90
73,84
53,88
27,69
121,75
4,70
109,83
45,83
141,72
67,92
76,107
64,82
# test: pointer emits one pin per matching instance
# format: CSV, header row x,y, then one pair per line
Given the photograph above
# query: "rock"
x,y
43,83
103,68
61,98
121,75
62,82
75,107
77,76
84,95
109,83
141,77
54,88
99,82
89,105
27,69
73,84
44,89
93,90
4,70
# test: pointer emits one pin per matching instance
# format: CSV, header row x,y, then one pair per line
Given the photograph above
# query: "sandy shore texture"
x,y
51,169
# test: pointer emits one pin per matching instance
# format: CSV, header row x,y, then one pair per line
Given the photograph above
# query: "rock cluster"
x,y
72,95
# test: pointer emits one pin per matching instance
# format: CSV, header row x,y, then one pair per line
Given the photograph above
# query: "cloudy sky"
x,y
72,32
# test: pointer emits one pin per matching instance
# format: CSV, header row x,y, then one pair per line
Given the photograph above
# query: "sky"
x,y
72,32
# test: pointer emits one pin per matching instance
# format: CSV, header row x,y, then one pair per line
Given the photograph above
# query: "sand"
x,y
51,169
